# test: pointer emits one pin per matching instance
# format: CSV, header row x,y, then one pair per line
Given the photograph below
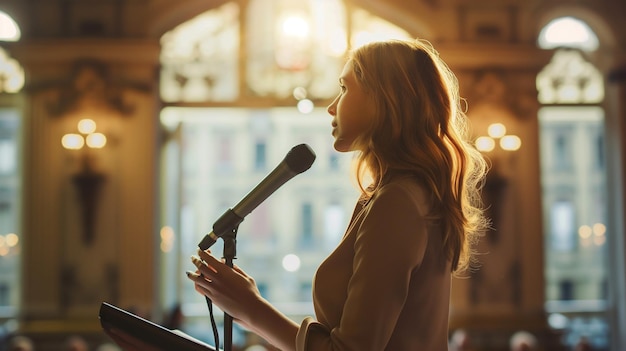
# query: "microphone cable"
x,y
216,334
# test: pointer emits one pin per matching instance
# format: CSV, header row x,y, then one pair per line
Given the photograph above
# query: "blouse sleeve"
x,y
310,330
389,245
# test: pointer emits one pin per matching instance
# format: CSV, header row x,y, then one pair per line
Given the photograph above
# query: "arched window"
x,y
9,31
574,187
568,32
241,85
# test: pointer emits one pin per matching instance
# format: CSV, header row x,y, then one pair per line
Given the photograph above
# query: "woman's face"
x,y
352,111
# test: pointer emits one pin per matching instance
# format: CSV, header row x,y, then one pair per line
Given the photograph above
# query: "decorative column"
x,y
505,293
93,101
616,155
90,228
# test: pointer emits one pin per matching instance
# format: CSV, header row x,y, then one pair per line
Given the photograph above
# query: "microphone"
x,y
298,159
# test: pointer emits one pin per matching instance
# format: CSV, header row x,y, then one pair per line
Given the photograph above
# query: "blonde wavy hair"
x,y
421,128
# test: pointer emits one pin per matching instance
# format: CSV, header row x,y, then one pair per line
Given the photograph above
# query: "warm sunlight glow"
x,y
295,26
337,45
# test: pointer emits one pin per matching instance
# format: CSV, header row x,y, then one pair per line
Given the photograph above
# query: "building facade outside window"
x,y
574,184
11,83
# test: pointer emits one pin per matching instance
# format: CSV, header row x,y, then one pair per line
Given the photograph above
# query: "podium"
x,y
133,333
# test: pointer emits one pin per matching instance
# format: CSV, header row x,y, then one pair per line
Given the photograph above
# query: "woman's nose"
x,y
332,108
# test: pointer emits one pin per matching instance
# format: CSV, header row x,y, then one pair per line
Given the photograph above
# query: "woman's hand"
x,y
236,294
231,289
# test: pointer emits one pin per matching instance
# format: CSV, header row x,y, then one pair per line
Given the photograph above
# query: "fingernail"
x,y
191,274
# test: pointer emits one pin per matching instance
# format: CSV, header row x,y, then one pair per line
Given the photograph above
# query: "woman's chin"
x,y
341,147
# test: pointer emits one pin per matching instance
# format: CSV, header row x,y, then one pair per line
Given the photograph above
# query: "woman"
x,y
387,284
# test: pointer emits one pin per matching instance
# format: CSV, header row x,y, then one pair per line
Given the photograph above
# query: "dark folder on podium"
x,y
134,333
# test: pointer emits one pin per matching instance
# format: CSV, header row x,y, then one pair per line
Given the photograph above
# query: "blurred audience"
x,y
583,345
20,343
108,347
460,341
76,343
523,341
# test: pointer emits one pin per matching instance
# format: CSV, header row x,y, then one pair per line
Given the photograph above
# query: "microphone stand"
x,y
229,253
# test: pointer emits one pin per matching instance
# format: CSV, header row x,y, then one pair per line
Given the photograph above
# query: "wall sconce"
x,y
494,191
88,181
497,132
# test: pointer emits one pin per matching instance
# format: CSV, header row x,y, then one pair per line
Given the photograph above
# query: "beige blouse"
x,y
387,284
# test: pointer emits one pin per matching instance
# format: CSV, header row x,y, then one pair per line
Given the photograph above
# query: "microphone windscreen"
x,y
300,158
